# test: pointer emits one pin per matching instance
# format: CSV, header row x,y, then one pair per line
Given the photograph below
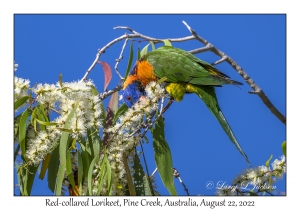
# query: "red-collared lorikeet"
x,y
185,73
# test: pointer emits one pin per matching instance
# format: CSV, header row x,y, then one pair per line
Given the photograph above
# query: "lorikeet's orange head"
x,y
133,88
129,80
142,71
145,72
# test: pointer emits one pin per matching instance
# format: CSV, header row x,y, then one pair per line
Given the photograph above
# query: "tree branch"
x,y
119,59
246,77
129,36
208,47
176,174
107,93
102,50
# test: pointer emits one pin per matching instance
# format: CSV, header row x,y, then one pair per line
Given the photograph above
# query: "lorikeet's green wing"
x,y
193,58
181,66
208,95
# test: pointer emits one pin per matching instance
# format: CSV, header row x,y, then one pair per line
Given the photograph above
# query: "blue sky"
x,y
47,45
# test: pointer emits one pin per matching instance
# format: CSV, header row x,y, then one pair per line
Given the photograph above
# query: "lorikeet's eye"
x,y
131,93
128,98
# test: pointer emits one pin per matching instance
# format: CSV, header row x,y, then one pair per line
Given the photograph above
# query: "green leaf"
x,y
283,146
16,125
163,156
65,130
42,118
129,178
102,175
144,50
46,123
123,108
251,193
129,61
20,102
20,180
268,161
45,166
70,171
90,144
147,186
94,90
146,139
141,182
62,152
52,169
54,145
109,177
33,115
97,143
22,131
42,109
102,115
85,160
29,177
162,79
152,44
60,80
139,53
73,145
90,174
167,42
89,150
60,178
94,139
16,152
80,171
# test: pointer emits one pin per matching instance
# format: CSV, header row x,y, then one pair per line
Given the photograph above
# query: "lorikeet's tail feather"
x,y
208,95
214,80
235,82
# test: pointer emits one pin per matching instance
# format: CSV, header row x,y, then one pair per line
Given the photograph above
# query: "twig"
x,y
119,59
176,174
129,36
144,124
107,93
102,50
246,77
201,49
150,123
139,35
55,110
162,104
154,172
167,107
220,61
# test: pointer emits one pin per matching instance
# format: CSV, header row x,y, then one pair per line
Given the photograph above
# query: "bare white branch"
x,y
119,59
